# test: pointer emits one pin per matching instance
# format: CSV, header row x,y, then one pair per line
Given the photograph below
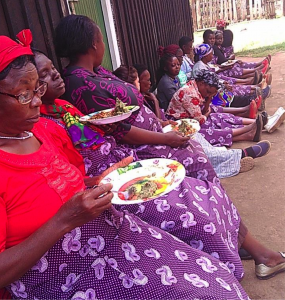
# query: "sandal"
x,y
264,272
261,148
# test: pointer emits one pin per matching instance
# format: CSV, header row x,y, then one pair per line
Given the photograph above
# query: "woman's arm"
x,y
80,209
151,97
138,136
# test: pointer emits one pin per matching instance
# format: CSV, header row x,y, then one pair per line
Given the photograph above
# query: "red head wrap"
x,y
221,23
170,49
10,50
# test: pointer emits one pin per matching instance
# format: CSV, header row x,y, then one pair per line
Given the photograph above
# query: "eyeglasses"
x,y
27,96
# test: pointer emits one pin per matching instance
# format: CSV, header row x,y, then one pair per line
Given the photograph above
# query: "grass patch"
x,y
262,51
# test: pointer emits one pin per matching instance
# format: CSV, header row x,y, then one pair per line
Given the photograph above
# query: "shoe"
x,y
265,94
264,272
261,148
246,164
259,126
244,255
252,109
264,116
276,120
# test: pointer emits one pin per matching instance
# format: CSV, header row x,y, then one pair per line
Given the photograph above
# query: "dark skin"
x,y
136,136
179,55
188,48
172,67
81,208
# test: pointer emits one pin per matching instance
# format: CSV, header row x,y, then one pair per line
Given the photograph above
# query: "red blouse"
x,y
33,187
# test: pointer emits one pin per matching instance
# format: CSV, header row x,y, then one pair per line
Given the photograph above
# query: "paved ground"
x,y
260,193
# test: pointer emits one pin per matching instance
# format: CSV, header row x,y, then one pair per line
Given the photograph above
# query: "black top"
x,y
228,38
219,53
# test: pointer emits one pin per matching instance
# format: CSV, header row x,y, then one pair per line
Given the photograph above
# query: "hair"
x,y
170,49
184,41
140,68
74,35
18,63
126,73
207,33
162,63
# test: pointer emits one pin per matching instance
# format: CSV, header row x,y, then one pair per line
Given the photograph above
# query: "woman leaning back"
x,y
165,211
89,87
61,241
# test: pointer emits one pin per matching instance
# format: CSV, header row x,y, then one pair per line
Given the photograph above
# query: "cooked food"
x,y
119,109
185,128
142,189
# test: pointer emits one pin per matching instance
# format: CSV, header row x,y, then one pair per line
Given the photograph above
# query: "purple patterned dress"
x,y
93,92
117,256
217,129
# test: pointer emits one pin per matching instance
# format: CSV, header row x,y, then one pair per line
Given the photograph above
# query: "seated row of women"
x,y
61,240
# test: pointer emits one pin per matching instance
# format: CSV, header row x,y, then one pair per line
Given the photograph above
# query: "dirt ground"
x,y
260,193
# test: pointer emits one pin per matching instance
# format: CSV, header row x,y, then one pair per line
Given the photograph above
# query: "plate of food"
x,y
188,127
230,62
112,115
145,180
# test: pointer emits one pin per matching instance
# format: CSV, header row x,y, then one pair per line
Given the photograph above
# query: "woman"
x,y
167,79
186,45
177,51
219,128
228,37
61,242
89,87
225,162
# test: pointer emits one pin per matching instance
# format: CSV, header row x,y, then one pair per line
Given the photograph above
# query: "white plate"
x,y
226,63
193,122
109,120
169,173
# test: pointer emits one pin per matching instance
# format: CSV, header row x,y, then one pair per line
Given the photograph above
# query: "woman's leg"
x,y
260,253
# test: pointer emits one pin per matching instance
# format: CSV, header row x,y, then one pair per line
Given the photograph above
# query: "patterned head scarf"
x,y
202,50
218,32
209,78
170,49
10,50
221,23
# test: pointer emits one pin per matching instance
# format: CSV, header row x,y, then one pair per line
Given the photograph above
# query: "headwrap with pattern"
x,y
202,50
208,77
221,23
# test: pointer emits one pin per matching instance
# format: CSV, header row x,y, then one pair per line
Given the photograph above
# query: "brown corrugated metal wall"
x,y
143,25
40,16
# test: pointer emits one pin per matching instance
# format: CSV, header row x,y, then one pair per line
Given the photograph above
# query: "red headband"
x,y
10,50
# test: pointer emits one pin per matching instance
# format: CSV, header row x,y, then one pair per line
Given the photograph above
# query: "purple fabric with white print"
x,y
109,258
228,51
191,155
217,129
200,214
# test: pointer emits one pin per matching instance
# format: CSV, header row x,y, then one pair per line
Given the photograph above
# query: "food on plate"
x,y
147,187
119,109
185,128
128,168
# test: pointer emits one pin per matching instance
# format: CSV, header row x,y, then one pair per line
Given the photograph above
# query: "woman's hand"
x,y
150,97
91,181
175,139
85,206
168,122
207,113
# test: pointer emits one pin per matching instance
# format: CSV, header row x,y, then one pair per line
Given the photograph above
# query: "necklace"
x,y
29,134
